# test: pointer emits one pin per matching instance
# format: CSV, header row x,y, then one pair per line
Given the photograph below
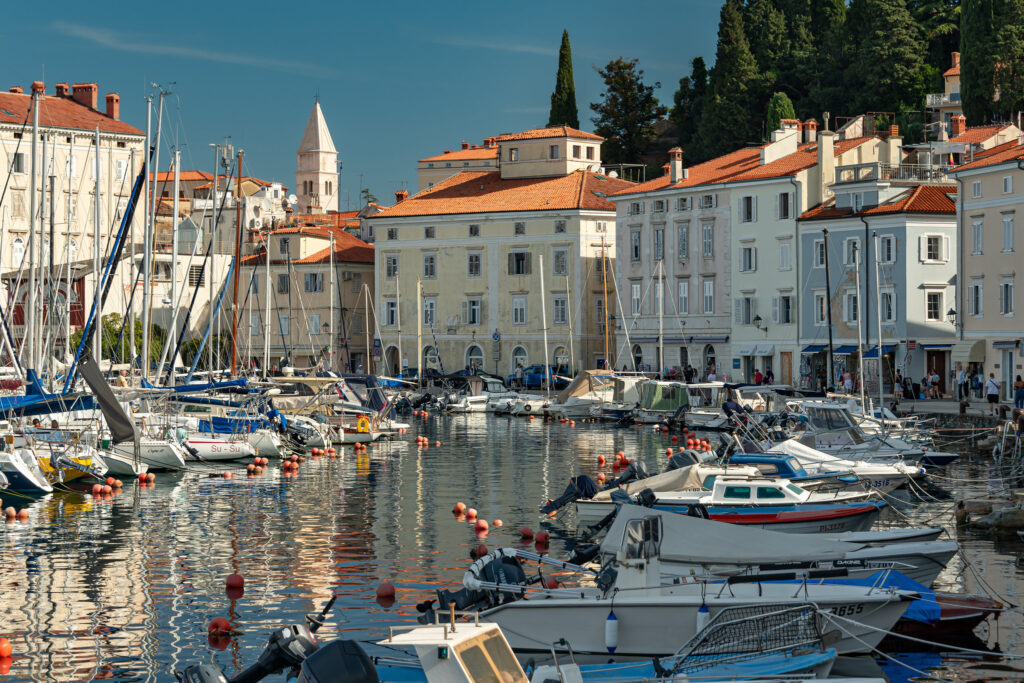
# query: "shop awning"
x,y
968,351
1005,343
745,350
844,350
935,347
764,350
886,350
813,348
712,338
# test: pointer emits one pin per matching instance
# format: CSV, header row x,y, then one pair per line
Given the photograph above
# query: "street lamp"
x,y
952,318
758,322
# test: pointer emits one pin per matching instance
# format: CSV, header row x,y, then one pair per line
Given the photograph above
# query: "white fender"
x,y
611,632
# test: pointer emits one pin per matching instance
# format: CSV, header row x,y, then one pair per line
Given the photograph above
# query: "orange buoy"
x,y
668,452
471,513
620,455
526,532
152,477
250,468
11,513
23,515
107,490
234,581
481,525
497,522
110,481
437,443
219,626
530,418
542,537
227,475
385,590
258,471
600,461
97,489
118,484
459,508
5,648
600,477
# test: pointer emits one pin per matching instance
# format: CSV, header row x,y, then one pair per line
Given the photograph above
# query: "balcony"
x,y
936,100
917,173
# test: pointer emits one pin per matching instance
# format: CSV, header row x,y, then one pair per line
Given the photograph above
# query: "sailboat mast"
x,y
213,237
238,256
568,318
366,309
29,318
398,313
266,295
878,310
330,344
828,313
419,330
660,291
174,260
544,322
604,286
860,330
97,340
48,302
37,331
147,249
70,173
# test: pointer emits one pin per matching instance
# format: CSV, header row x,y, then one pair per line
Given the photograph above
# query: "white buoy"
x,y
703,617
611,632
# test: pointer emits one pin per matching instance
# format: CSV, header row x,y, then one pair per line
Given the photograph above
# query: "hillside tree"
x,y
563,99
626,112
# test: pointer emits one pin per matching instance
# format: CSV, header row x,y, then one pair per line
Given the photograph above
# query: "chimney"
x,y
401,196
895,147
465,145
894,131
114,106
810,130
38,87
16,89
664,169
956,59
85,94
62,89
675,162
959,124
826,164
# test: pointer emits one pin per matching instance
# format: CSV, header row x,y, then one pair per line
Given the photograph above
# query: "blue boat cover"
x,y
192,388
926,610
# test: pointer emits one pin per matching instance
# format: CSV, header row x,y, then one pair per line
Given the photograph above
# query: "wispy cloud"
x,y
126,43
495,45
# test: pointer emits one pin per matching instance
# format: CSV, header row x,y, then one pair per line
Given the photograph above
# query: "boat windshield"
x,y
795,489
489,659
828,419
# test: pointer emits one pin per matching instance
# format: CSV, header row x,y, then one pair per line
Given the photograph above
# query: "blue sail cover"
x,y
232,425
240,383
36,401
926,610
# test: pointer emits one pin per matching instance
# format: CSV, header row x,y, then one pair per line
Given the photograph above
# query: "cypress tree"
x,y
977,75
627,111
563,99
887,73
688,102
1009,58
779,107
729,116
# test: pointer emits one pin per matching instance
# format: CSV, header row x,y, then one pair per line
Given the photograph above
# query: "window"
x,y
18,254
683,240
519,263
429,266
784,204
474,230
598,319
851,247
785,256
286,244
708,238
933,306
392,233
283,283
18,204
391,267
1006,296
576,151
560,309
519,228
600,226
471,311
783,313
553,151
390,312
18,165
658,206
888,304
519,310
634,245
513,154
683,297
560,226
314,282
428,233
657,303
933,248
887,249
770,492
850,307
819,253
745,310
659,244
820,309
740,492
196,276
561,262
314,323
709,296
1007,184
590,153
121,169
708,201
683,204
254,325
429,311
975,298
978,236
283,324
473,264
748,209
748,259
1007,232
976,189
634,298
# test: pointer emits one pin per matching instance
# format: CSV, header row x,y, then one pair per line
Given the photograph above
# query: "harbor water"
x,y
123,589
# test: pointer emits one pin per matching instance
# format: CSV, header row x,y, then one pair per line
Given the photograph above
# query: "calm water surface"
x,y
124,589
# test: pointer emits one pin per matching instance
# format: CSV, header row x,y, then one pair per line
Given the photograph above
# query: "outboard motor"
x,y
580,486
680,460
502,569
339,661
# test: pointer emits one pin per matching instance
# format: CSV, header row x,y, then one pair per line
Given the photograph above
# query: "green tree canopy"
x,y
779,107
563,99
888,71
111,331
626,111
688,102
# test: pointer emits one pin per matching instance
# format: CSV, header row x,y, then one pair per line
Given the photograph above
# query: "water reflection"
x,y
123,589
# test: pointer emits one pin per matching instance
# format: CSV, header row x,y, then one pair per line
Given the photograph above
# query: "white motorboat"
x,y
156,454
588,391
207,449
266,443
474,392
529,405
660,401
875,475
21,469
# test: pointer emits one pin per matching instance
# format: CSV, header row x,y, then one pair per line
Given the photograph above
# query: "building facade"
x,y
502,258
434,169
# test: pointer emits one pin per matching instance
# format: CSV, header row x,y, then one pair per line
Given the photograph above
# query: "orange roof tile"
x,y
487,192
916,199
60,112
185,176
549,132
347,248
1009,151
952,71
976,134
475,152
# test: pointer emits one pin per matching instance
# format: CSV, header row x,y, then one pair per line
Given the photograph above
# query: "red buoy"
x,y
600,461
118,484
5,648
110,481
550,582
542,537
107,490
11,513
600,477
437,443
668,452
471,513
219,626
674,438
497,522
386,590
234,581
481,525
459,508
150,477
526,532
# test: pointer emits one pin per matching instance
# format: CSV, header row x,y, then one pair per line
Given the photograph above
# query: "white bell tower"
x,y
316,177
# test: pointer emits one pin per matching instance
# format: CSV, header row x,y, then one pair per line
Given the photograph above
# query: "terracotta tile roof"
x,y
549,132
745,164
474,153
347,248
220,178
935,199
344,219
976,134
60,112
952,71
1010,151
487,192
184,176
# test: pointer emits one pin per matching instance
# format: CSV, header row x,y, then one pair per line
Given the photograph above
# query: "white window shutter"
x,y
922,248
737,307
775,309
464,312
792,205
981,299
753,208
945,248
778,214
753,258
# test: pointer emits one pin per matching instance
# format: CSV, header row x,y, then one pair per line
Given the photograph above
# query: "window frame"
x,y
519,310
559,309
938,315
683,240
708,296
431,272
1009,229
391,266
683,296
469,263
707,232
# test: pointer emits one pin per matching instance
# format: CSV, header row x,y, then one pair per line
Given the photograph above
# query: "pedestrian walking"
x,y
961,384
992,391
1018,393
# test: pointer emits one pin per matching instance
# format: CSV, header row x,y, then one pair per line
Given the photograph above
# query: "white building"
x,y
316,177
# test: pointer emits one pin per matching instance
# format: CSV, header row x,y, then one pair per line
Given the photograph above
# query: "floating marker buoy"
x,y
23,515
530,418
437,443
219,626
572,423
250,468
459,508
118,484
385,590
5,648
258,471
107,490
150,477
227,475
481,525
142,478
668,452
97,489
11,513
600,461
542,537
674,438
234,581
497,522
110,481
600,477
526,532
620,455
471,513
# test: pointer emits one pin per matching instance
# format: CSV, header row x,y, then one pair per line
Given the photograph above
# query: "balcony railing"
x,y
881,171
941,99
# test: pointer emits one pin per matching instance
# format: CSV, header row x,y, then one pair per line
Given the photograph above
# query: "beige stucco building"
x,y
434,169
502,256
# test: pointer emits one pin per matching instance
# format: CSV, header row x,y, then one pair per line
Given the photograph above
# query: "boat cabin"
x,y
663,397
461,653
732,490
827,424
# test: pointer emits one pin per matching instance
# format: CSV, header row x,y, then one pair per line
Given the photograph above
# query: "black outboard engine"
x,y
680,460
580,486
339,661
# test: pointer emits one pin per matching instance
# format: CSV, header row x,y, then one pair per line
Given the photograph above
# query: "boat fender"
x,y
362,425
703,617
611,632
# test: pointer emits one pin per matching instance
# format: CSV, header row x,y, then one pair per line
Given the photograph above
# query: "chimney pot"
x,y
665,169
956,58
675,164
465,145
62,89
894,131
16,89
85,94
810,130
447,151
958,124
38,87
401,196
114,106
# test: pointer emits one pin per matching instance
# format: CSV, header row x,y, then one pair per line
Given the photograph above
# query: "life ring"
x,y
362,425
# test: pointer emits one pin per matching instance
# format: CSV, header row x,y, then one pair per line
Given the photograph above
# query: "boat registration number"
x,y
879,483
834,526
847,610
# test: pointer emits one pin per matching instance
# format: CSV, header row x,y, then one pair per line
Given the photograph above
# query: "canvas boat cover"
x,y
585,382
674,480
664,396
692,540
802,451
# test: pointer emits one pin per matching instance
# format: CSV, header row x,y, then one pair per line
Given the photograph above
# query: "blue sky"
x,y
397,80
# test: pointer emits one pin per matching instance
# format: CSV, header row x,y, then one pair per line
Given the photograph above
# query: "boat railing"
x,y
1009,449
448,627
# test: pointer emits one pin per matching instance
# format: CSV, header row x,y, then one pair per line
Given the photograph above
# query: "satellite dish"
x,y
293,200
266,204
613,174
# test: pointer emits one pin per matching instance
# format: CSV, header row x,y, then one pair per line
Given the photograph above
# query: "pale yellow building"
x,y
502,257
468,157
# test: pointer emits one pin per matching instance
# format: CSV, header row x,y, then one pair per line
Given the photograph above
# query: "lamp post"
x,y
759,324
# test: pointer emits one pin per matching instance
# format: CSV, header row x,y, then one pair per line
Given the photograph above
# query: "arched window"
x,y
430,359
638,357
17,252
561,359
709,359
519,357
474,358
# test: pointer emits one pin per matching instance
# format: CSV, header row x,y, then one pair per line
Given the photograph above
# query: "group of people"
x,y
766,377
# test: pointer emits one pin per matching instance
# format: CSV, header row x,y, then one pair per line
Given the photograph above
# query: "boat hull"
x,y
23,475
212,450
157,455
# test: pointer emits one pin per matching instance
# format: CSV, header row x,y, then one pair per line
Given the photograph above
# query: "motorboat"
x,y
471,393
529,405
661,401
20,467
589,390
876,475
625,397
